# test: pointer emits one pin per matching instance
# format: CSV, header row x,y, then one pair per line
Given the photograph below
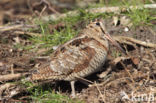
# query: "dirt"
x,y
143,33
139,76
120,81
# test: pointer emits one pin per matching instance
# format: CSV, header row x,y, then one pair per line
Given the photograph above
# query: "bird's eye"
x,y
98,23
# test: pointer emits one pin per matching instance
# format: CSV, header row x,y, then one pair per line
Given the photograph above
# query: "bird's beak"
x,y
107,35
115,43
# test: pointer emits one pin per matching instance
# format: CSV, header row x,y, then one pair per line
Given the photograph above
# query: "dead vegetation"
x,y
122,76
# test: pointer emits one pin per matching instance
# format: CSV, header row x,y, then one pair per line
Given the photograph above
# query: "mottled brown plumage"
x,y
79,57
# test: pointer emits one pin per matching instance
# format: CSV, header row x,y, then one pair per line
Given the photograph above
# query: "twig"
x,y
28,33
14,27
50,7
123,39
105,73
12,69
44,8
47,5
85,80
55,17
7,28
4,87
42,57
13,89
11,76
123,79
100,92
132,79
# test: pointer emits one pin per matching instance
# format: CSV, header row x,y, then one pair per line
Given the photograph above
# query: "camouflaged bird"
x,y
79,57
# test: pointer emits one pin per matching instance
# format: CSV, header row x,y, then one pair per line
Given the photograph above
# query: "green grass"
x,y
57,37
119,3
71,29
48,96
48,39
45,94
140,17
115,54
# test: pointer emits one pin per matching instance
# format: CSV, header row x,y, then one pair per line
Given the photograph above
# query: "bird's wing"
x,y
73,56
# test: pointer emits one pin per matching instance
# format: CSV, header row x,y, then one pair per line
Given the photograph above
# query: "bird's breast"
x,y
97,53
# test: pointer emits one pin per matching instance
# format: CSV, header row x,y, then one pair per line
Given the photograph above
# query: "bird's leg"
x,y
73,88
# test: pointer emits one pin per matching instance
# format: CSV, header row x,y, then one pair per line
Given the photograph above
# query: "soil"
x,y
135,75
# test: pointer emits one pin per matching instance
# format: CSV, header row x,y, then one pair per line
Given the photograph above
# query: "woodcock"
x,y
79,57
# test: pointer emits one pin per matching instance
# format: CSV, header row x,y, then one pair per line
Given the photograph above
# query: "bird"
x,y
79,57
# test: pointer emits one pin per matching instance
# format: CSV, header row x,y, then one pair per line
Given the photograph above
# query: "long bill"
x,y
115,43
107,35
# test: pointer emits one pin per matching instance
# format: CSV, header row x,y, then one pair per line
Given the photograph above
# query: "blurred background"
x,y
11,10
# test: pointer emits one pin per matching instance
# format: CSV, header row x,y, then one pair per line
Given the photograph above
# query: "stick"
x,y
55,17
100,92
4,87
14,27
7,28
123,39
11,76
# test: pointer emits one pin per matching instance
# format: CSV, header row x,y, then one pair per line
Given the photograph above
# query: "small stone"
x,y
10,50
55,47
126,29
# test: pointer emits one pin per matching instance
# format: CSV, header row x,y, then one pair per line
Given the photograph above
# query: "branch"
x,y
123,39
15,27
11,76
55,17
4,87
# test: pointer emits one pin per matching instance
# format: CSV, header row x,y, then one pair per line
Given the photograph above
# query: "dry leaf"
x,y
136,60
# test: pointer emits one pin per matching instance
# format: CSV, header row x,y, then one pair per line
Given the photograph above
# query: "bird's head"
x,y
98,26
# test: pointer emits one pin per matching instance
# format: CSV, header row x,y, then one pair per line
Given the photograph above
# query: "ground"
x,y
26,41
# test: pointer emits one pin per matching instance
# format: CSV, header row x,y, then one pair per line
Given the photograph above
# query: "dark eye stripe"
x,y
98,23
